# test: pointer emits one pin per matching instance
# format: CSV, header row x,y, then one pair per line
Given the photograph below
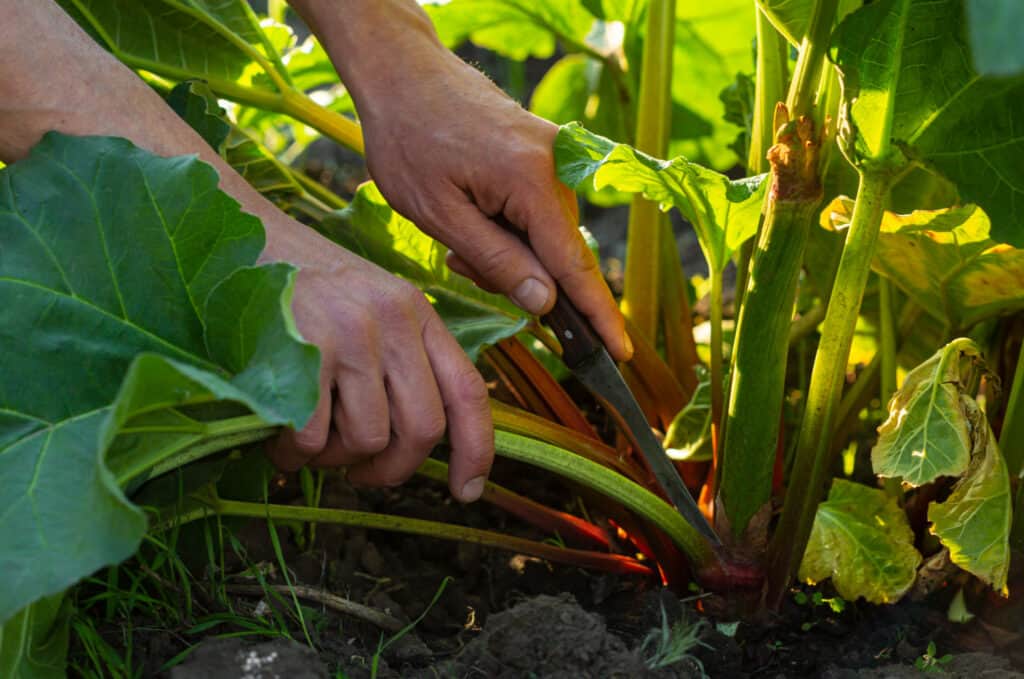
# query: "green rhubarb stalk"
x,y
1011,438
209,505
770,76
747,455
630,495
813,460
653,131
887,337
759,359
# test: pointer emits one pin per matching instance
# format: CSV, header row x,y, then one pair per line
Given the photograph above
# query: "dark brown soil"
x,y
506,615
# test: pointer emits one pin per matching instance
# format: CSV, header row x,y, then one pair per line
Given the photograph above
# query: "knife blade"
x,y
585,355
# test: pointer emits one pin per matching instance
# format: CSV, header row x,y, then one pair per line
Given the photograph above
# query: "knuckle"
x,y
308,442
429,431
368,442
469,389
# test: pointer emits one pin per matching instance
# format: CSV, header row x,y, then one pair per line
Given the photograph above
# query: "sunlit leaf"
x,y
220,42
792,17
723,212
713,42
945,261
562,94
513,28
370,228
927,433
862,541
689,435
912,59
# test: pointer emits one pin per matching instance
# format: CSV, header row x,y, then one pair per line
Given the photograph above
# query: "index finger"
x,y
467,410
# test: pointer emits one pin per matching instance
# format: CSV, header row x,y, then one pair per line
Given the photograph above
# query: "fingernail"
x,y
628,343
531,295
473,489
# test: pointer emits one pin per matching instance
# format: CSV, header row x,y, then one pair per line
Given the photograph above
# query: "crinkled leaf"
x,y
861,539
34,643
689,435
974,522
370,228
724,213
738,99
111,252
219,41
945,261
994,29
513,28
197,105
911,59
927,432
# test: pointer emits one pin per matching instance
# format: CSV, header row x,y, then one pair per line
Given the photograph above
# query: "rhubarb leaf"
x,y
927,432
861,539
131,293
912,59
945,260
974,522
724,212
371,229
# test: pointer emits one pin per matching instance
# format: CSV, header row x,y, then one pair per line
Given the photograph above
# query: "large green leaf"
x,y
370,228
861,539
724,213
219,41
926,434
945,261
912,58
974,522
713,42
994,28
130,293
34,643
513,28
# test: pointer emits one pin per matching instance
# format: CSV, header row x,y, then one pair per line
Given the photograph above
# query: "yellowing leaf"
x,y
945,261
861,539
936,429
974,522
926,435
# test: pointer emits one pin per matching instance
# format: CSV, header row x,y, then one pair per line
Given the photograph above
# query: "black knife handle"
x,y
575,334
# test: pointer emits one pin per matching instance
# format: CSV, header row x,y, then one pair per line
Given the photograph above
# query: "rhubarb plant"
x,y
141,338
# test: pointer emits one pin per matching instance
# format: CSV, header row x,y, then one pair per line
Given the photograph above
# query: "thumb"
x,y
498,260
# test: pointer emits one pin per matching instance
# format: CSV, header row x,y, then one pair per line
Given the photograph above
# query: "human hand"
x,y
451,152
392,378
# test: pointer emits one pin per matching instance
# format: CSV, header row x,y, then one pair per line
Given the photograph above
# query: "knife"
x,y
585,355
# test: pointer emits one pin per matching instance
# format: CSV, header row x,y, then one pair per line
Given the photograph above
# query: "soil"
x,y
506,615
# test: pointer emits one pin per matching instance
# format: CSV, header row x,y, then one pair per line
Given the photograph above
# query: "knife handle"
x,y
575,334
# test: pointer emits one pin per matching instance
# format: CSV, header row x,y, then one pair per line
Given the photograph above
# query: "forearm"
x,y
376,45
54,77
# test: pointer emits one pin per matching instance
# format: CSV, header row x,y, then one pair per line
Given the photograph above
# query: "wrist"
x,y
376,45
